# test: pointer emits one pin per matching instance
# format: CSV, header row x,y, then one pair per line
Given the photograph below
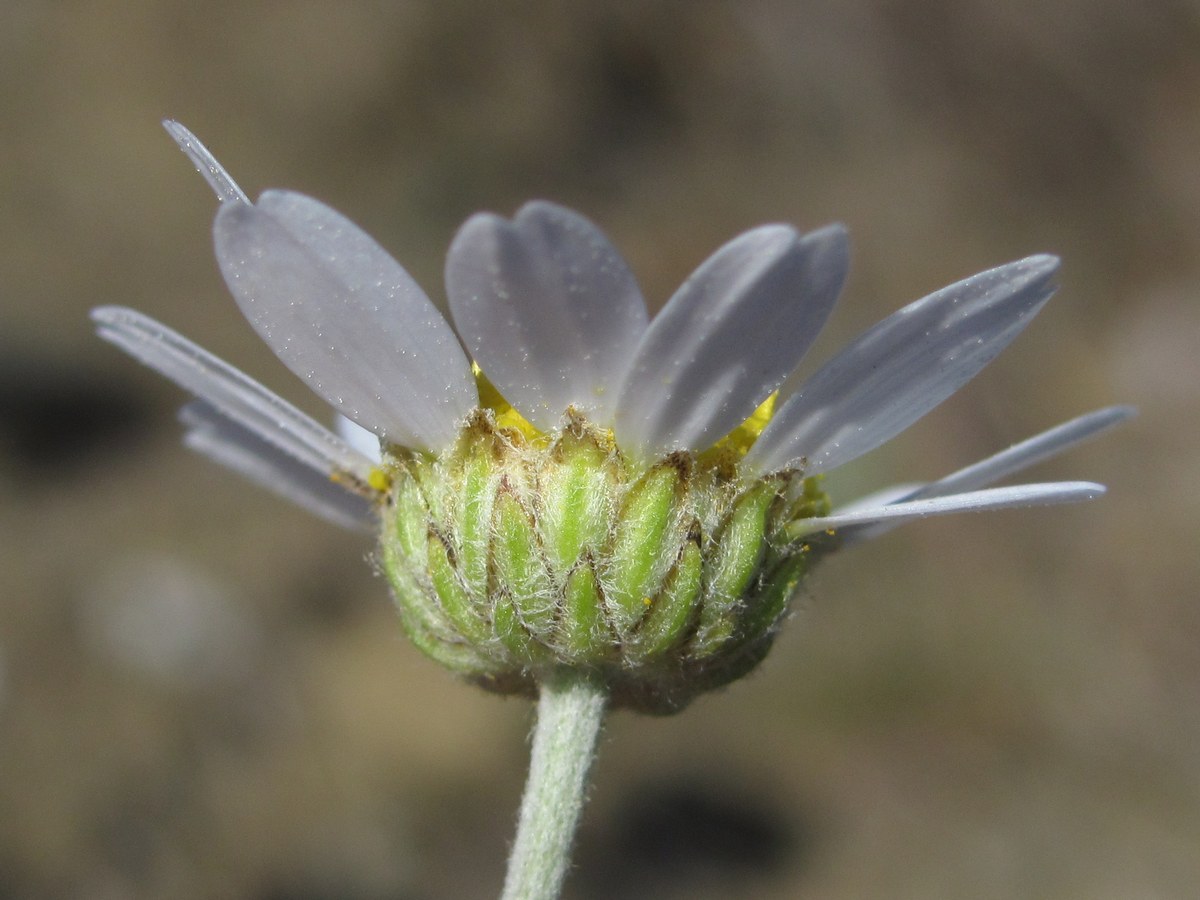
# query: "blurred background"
x,y
204,693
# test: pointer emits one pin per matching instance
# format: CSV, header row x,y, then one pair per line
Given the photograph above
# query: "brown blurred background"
x,y
204,693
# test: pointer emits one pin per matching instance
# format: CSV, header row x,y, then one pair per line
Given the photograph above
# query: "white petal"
x,y
1029,452
891,494
729,337
233,393
897,371
359,438
345,317
973,501
547,307
237,448
1020,456
206,164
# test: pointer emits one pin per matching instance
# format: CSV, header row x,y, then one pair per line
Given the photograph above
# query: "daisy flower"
x,y
560,482
611,428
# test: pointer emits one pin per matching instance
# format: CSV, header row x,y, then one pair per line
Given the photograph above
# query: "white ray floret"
x,y
971,501
206,164
359,438
547,307
230,391
337,309
900,369
986,472
1028,452
893,493
230,444
345,317
730,335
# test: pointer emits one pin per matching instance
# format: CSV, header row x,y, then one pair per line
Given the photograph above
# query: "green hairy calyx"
x,y
511,558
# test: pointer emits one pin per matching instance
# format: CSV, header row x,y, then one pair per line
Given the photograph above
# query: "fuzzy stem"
x,y
569,716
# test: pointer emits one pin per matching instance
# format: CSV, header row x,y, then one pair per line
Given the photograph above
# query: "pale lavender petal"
x,y
345,317
236,395
547,307
206,164
891,494
235,447
359,438
1027,453
1015,459
897,371
974,501
729,337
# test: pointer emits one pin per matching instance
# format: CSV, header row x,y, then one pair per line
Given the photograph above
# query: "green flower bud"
x,y
511,556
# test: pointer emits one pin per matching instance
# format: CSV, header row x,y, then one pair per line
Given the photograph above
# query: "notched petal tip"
x,y
840,229
548,308
547,209
206,164
768,235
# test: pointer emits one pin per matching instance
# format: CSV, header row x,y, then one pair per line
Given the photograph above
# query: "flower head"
x,y
560,480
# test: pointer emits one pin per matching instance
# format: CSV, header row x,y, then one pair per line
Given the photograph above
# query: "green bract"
x,y
511,557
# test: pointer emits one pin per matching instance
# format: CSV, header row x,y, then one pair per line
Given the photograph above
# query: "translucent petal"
x,y
904,366
359,438
893,493
235,447
345,317
206,164
1020,456
973,501
1028,453
547,307
236,395
729,336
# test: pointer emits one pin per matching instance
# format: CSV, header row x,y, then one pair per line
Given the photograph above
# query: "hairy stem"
x,y
569,716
